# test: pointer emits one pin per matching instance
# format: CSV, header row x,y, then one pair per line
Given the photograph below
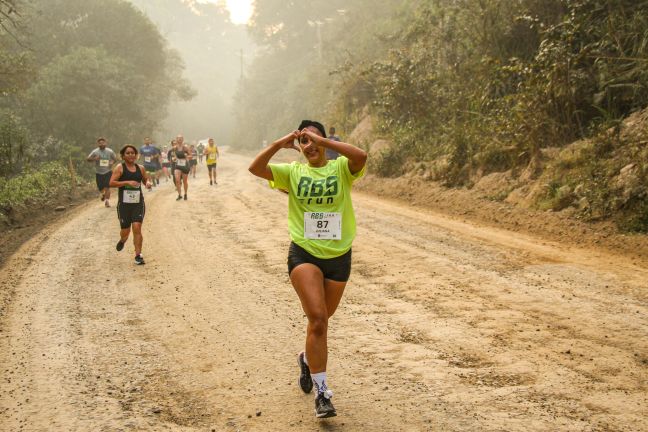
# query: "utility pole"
x,y
241,62
319,38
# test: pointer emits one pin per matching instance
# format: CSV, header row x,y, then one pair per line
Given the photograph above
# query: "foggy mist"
x,y
211,48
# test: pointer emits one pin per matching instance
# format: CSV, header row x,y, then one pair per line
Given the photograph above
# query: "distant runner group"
x,y
176,162
321,219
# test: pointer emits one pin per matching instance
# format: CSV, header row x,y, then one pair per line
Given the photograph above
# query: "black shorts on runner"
x,y
130,213
166,165
211,167
337,269
103,180
193,162
151,168
183,170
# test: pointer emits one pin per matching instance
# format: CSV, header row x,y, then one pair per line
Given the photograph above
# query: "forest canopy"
x,y
84,68
448,77
463,88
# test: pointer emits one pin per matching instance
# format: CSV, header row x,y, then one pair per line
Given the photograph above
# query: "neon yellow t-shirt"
x,y
212,155
318,196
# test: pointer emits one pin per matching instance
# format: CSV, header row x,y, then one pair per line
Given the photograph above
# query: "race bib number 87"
x,y
323,226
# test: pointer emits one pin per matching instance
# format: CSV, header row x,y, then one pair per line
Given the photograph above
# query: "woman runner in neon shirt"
x,y
321,222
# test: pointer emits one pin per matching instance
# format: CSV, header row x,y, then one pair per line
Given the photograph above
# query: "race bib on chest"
x,y
104,162
181,162
212,156
323,226
147,159
131,196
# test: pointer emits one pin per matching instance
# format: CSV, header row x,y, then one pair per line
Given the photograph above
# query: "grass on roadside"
x,y
32,188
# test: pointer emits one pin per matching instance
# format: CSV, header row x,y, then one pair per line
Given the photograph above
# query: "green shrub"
x,y
34,187
634,217
389,163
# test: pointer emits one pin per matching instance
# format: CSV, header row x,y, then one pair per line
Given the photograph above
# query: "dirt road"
x,y
444,326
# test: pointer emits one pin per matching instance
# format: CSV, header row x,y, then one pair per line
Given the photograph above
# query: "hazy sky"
x,y
214,51
240,10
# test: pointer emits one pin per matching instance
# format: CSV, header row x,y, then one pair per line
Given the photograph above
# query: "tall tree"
x,y
15,65
104,69
305,48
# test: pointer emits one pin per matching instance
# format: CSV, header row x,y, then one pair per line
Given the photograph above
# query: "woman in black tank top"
x,y
133,194
128,177
181,171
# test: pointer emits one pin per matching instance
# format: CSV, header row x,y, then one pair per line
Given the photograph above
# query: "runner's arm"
x,y
259,166
92,158
357,157
117,172
145,176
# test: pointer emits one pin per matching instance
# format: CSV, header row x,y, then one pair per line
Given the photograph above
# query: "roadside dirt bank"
x,y
468,206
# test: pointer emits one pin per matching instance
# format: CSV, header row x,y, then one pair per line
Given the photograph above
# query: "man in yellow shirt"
x,y
211,152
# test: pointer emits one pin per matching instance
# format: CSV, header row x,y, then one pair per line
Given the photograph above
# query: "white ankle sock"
x,y
305,361
319,379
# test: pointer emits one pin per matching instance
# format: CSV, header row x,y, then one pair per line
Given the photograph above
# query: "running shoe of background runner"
x,y
139,260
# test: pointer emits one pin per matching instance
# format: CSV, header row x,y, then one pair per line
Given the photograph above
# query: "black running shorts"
x,y
103,180
183,170
211,167
337,269
130,213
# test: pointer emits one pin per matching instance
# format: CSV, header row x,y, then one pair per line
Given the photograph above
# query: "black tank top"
x,y
180,154
127,176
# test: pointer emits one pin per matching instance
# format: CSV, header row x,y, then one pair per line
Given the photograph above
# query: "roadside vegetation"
x,y
541,91
35,189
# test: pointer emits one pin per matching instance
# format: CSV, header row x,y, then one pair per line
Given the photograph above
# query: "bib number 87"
x,y
322,222
323,226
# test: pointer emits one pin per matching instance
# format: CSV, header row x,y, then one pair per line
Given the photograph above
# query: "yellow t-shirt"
x,y
320,213
212,155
